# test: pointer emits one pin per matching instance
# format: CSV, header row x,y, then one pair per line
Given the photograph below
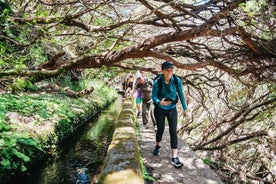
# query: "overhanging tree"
x,y
223,50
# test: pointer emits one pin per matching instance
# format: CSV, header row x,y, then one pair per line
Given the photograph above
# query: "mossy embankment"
x,y
33,125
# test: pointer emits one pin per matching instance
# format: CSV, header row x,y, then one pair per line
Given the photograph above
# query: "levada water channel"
x,y
81,158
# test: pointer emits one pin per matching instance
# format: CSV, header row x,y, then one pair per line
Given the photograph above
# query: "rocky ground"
x,y
159,167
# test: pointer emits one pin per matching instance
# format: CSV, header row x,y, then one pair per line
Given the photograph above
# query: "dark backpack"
x,y
158,77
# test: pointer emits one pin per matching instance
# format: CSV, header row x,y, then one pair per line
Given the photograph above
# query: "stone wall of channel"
x,y
122,164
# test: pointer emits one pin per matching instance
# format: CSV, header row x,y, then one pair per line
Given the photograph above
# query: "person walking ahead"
x,y
139,97
165,100
145,86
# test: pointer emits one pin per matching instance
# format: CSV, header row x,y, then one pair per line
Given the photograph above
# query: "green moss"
x,y
62,113
123,160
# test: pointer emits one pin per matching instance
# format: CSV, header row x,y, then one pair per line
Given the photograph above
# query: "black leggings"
x,y
160,115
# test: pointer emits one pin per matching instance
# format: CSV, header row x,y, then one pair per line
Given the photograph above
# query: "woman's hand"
x,y
184,113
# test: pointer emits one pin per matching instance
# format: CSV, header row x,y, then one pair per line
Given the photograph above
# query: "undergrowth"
x,y
19,148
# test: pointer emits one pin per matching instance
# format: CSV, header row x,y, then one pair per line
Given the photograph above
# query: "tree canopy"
x,y
224,51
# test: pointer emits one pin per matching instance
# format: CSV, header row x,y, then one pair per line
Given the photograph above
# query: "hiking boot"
x,y
156,150
176,162
138,114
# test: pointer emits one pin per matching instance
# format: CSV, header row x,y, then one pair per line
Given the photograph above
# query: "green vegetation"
x,y
223,50
145,173
16,149
33,124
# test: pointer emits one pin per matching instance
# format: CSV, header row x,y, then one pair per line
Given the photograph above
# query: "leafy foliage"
x,y
19,149
16,150
224,51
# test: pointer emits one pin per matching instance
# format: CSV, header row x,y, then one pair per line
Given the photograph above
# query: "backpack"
x,y
158,77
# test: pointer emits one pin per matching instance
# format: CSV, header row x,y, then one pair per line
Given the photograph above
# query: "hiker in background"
x,y
166,90
124,84
139,97
145,86
129,85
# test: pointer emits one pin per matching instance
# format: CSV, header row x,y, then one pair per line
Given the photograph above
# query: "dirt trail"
x,y
194,170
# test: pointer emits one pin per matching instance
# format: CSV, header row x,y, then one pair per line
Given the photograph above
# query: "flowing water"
x,y
81,157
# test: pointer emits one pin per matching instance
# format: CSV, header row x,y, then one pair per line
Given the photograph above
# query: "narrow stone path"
x,y
194,170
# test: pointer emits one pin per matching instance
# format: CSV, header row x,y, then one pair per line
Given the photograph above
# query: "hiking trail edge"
x,y
194,170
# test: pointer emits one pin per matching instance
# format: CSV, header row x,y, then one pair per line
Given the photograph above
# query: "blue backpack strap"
x,y
158,77
175,79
